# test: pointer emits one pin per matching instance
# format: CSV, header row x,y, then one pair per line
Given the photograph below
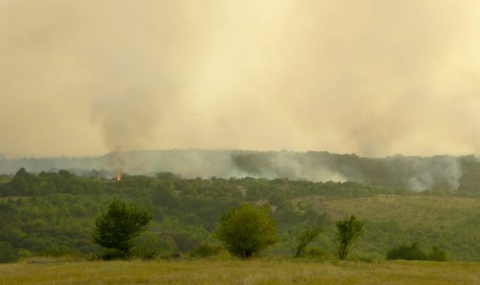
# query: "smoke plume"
x,y
427,172
371,77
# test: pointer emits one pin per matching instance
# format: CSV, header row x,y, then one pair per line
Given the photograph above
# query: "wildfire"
x,y
118,177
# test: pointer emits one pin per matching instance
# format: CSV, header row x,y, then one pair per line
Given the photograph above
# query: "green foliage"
x,y
150,245
414,252
407,252
437,254
348,232
246,231
305,238
54,212
303,205
206,249
7,252
117,228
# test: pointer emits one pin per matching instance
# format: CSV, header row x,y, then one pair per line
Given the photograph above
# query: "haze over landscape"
x,y
144,129
375,78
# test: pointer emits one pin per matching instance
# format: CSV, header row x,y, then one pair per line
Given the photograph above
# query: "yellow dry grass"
x,y
263,272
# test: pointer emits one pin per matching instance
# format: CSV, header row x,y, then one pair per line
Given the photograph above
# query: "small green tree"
x,y
348,233
117,228
245,231
305,238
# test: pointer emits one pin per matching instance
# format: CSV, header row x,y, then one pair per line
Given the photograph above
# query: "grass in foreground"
x,y
239,272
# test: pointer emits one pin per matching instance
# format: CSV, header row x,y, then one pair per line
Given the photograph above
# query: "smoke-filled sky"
x,y
372,77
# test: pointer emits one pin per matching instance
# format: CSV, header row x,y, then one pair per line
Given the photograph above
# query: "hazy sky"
x,y
373,77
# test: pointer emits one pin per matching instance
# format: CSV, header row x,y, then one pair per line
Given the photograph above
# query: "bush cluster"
x,y
414,252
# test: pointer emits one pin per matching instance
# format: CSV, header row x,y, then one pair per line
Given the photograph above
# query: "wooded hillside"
x,y
414,173
52,213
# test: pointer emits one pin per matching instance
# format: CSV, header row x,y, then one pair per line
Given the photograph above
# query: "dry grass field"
x,y
261,271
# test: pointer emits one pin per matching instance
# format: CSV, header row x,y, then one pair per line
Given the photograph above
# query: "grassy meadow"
x,y
259,271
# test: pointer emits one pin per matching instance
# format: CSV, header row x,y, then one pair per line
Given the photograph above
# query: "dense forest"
x,y
414,173
53,213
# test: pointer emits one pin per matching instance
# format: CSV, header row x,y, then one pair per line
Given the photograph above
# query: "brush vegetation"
x,y
54,214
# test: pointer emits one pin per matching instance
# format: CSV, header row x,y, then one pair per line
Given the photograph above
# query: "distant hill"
x,y
414,173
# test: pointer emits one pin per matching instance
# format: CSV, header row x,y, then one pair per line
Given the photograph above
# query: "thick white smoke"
x,y
371,77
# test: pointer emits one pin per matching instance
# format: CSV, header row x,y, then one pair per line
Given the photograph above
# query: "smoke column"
x,y
371,77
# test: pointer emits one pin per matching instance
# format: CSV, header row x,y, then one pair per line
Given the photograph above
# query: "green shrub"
x,y
305,238
206,249
414,252
317,253
150,245
437,254
7,252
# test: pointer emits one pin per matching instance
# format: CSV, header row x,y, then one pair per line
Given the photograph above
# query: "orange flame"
x,y
118,176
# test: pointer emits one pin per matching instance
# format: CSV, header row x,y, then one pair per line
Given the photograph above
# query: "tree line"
x,y
244,231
